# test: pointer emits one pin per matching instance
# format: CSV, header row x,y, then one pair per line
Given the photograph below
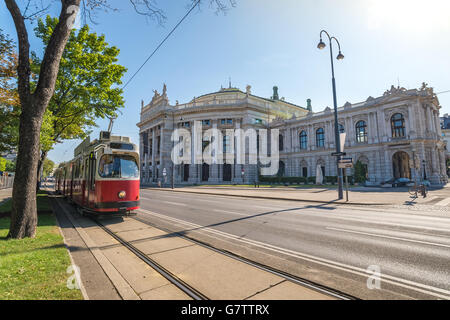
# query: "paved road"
x,y
330,245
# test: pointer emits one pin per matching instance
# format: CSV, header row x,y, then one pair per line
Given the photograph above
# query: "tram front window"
x,y
118,166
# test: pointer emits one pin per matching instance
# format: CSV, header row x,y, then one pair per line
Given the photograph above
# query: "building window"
x,y
303,140
320,138
206,122
226,121
280,142
226,144
258,121
158,150
341,128
361,132
186,124
205,143
398,125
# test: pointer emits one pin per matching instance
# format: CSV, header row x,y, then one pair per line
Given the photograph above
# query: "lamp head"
x,y
340,56
321,45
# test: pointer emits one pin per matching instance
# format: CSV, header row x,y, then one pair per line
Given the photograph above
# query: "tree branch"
x,y
53,53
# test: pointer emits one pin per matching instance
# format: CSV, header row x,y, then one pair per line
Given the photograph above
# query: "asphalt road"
x,y
340,247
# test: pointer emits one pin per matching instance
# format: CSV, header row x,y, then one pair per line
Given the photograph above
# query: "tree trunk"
x,y
39,168
24,214
24,211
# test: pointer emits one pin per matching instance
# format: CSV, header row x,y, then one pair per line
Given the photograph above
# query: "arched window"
x,y
320,138
341,128
280,142
303,140
361,132
398,125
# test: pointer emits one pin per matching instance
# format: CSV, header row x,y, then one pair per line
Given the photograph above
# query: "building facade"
x,y
395,135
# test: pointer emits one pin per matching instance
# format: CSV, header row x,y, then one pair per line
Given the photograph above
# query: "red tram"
x,y
103,177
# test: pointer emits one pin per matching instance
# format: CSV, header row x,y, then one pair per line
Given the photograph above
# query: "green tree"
x,y
86,87
10,166
9,98
360,172
2,164
48,167
34,101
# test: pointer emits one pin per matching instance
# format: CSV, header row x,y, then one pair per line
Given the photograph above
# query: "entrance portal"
x,y
227,172
185,172
205,172
400,163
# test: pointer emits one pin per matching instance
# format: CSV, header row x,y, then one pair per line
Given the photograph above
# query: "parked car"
x,y
399,182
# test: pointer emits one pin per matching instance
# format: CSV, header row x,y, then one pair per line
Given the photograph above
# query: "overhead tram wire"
x,y
154,51
162,42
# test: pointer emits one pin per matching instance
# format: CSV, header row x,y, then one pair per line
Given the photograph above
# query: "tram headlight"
x,y
122,194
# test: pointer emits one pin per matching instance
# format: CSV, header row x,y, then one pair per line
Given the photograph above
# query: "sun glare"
x,y
411,15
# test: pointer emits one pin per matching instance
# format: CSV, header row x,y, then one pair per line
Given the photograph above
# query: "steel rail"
x,y
183,286
298,280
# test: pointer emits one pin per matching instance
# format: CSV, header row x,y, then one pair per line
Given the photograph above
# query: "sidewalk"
x,y
357,195
5,194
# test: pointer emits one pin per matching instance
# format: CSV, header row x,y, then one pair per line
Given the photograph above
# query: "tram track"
x,y
172,278
191,291
295,279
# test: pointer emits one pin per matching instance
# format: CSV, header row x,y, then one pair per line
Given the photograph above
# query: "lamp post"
x,y
340,56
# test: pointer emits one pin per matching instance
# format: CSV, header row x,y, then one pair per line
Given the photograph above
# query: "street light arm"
x,y
337,41
328,35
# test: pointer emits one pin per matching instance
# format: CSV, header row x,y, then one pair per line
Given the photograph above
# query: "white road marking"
x,y
412,285
443,203
390,237
175,203
270,208
230,212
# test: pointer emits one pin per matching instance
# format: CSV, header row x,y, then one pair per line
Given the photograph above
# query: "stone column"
x,y
412,128
240,156
154,148
215,167
430,122
388,174
311,138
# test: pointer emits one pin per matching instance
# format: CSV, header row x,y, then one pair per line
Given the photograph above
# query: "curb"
x,y
271,198
120,284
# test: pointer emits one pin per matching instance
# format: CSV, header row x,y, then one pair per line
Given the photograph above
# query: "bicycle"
x,y
422,189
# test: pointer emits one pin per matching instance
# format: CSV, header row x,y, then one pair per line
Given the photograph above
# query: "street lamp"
x,y
340,56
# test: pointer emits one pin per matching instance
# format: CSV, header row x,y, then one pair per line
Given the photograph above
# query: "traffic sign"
x,y
338,154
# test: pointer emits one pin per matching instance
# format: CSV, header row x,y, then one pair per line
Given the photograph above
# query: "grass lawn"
x,y
43,204
35,269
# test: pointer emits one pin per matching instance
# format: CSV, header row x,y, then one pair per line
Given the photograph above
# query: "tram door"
x,y
90,185
85,183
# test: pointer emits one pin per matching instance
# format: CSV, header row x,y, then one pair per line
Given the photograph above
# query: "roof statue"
x,y
249,89
394,90
275,93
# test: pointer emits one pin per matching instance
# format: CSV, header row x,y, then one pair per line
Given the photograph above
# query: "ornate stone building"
x,y
395,135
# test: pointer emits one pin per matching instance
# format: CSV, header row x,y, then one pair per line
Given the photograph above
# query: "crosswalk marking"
x,y
443,203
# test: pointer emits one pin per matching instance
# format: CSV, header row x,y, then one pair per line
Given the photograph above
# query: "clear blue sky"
x,y
265,43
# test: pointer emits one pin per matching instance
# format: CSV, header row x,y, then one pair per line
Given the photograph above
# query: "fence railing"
x,y
6,181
